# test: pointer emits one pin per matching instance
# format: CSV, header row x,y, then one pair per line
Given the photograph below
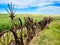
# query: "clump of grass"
x,y
55,25
5,26
51,35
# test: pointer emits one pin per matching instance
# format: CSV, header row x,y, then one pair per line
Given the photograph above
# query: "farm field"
x,y
49,36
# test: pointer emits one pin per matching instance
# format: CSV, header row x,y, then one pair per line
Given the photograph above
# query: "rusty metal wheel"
x,y
7,38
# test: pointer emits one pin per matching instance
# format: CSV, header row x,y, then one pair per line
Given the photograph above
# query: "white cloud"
x,y
20,3
49,10
32,3
27,3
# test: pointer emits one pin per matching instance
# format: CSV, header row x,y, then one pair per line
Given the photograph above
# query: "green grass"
x,y
49,36
5,20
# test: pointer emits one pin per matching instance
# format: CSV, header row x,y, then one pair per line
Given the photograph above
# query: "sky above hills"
x,y
32,6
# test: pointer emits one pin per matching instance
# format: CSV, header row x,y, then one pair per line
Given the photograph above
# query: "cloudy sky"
x,y
32,6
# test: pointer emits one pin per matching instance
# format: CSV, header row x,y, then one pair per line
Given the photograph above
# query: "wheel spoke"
x,y
1,42
6,38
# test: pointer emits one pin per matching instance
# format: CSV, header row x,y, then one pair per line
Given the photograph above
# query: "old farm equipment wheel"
x,y
14,35
7,38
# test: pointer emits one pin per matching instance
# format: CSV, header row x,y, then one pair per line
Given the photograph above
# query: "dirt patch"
x,y
35,40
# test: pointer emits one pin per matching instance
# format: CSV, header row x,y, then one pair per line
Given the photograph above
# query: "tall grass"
x,y
51,36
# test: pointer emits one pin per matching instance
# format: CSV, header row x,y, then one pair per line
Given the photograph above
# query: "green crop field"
x,y
49,36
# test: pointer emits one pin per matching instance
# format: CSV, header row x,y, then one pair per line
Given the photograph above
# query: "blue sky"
x,y
32,6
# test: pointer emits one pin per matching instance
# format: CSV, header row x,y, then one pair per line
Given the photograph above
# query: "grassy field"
x,y
49,36
5,20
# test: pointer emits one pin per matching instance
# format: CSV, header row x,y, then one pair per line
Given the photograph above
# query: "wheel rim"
x,y
6,38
